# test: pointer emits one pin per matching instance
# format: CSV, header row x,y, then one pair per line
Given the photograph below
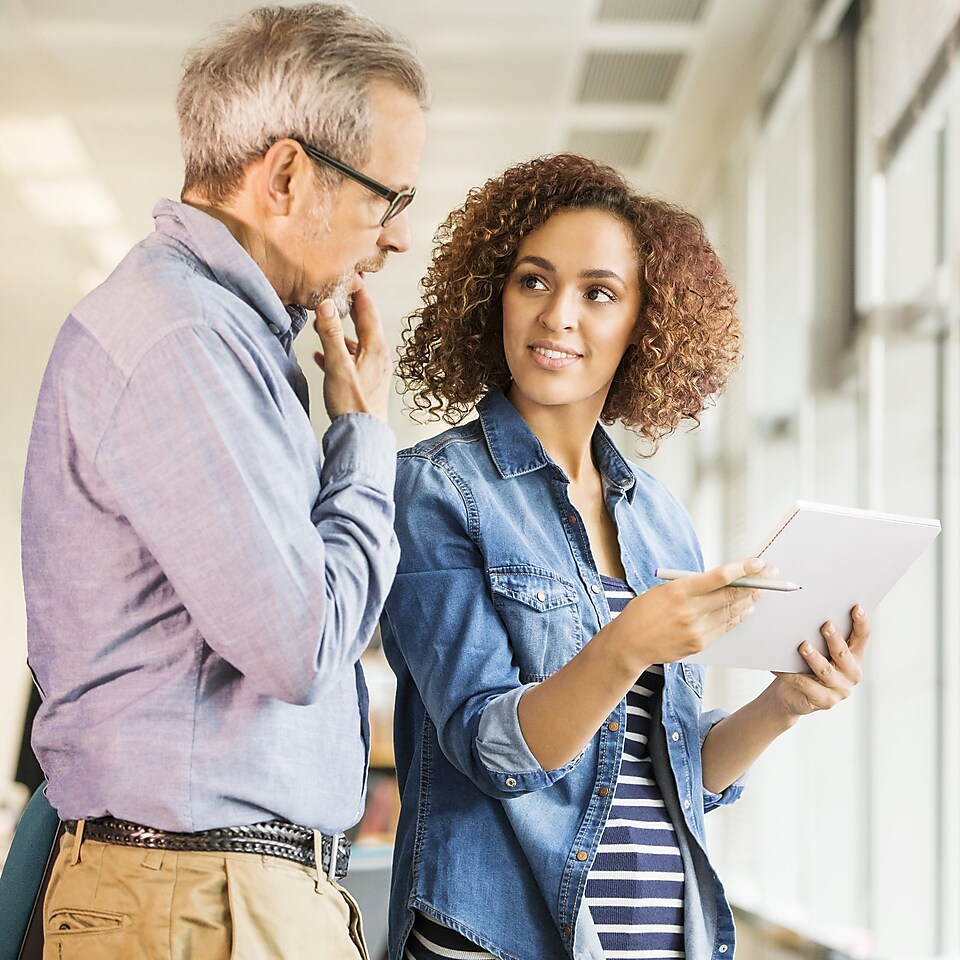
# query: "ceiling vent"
x,y
613,76
672,11
620,148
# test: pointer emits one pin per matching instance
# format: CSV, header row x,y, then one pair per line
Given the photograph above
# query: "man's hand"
x,y
356,372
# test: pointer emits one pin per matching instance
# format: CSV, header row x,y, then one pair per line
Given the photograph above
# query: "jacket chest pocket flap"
x,y
542,617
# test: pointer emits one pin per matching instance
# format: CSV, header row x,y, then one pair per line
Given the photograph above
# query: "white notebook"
x,y
840,556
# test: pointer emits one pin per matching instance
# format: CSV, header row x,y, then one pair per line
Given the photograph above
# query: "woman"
x,y
553,759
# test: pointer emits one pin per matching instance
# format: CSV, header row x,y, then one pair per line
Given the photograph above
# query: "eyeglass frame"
x,y
398,200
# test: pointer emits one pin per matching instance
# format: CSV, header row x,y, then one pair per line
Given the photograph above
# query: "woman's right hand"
x,y
680,618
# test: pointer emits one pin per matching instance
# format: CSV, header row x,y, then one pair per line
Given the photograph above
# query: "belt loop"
x,y
318,858
77,840
334,851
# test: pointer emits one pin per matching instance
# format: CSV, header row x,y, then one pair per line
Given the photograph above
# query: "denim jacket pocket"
x,y
542,617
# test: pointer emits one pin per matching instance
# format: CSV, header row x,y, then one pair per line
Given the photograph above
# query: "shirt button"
x,y
603,791
595,588
273,328
581,855
541,596
686,804
511,781
674,736
613,727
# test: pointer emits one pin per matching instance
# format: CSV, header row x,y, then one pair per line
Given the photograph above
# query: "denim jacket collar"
x,y
515,450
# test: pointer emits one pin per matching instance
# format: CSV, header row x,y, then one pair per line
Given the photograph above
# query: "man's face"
x,y
334,238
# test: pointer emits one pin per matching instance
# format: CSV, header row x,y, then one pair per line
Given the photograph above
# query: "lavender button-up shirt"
x,y
199,587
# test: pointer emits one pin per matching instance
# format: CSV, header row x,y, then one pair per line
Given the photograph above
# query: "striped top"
x,y
635,885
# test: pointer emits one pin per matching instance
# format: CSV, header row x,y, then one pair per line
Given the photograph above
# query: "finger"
x,y
860,636
847,661
719,577
726,616
353,348
329,328
366,319
826,671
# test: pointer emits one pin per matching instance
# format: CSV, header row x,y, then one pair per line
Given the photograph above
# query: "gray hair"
x,y
301,72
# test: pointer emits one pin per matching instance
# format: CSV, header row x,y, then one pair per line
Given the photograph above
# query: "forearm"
x,y
559,716
739,739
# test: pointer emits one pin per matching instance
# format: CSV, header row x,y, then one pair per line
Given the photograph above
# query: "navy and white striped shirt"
x,y
635,885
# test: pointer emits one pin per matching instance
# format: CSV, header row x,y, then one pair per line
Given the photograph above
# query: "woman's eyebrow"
x,y
540,262
596,274
601,274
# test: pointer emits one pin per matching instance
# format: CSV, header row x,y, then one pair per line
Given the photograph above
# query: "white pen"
x,y
757,583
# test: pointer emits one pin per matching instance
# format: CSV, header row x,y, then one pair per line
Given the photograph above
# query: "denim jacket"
x,y
496,590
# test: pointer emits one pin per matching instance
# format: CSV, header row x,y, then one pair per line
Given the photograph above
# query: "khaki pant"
x,y
107,901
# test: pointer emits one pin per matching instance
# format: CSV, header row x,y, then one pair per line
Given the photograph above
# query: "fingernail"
x,y
753,565
830,628
805,647
327,307
858,610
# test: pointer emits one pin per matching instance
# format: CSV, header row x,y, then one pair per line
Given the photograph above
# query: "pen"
x,y
757,583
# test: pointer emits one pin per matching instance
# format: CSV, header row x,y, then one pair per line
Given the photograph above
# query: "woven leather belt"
x,y
272,838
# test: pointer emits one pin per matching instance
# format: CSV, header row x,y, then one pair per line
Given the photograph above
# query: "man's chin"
x,y
338,294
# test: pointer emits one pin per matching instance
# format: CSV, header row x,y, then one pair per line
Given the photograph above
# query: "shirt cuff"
x,y
503,750
360,443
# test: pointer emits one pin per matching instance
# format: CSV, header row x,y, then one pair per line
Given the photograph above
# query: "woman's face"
x,y
570,307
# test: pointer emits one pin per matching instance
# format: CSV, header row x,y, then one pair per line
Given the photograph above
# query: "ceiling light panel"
x,y
624,77
679,11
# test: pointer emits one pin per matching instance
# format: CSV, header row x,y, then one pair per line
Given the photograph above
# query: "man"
x,y
199,587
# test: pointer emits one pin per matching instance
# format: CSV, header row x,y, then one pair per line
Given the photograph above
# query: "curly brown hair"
x,y
452,351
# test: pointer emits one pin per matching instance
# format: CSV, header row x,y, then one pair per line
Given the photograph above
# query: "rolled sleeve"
x,y
442,633
503,750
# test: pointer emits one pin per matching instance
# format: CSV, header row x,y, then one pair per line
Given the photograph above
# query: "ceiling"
x,y
88,137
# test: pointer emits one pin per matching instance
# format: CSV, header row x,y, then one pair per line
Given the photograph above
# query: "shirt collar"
x,y
233,268
516,450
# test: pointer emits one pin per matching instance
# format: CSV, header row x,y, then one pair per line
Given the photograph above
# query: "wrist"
x,y
776,704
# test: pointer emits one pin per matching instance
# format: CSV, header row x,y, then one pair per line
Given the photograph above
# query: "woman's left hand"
x,y
832,679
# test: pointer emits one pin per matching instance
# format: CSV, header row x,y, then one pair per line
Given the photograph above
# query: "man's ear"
x,y
281,174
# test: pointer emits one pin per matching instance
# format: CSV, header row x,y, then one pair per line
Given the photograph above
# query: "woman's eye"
x,y
600,295
531,282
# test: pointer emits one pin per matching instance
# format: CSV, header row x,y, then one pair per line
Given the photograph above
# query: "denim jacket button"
x,y
511,781
571,519
723,948
581,855
613,727
541,596
603,791
675,736
567,930
594,588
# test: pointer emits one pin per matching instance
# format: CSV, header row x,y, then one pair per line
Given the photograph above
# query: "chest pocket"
x,y
542,617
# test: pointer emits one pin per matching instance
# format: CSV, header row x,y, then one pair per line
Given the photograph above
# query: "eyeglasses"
x,y
398,200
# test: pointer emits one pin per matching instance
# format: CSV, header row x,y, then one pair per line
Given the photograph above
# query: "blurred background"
x,y
819,140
